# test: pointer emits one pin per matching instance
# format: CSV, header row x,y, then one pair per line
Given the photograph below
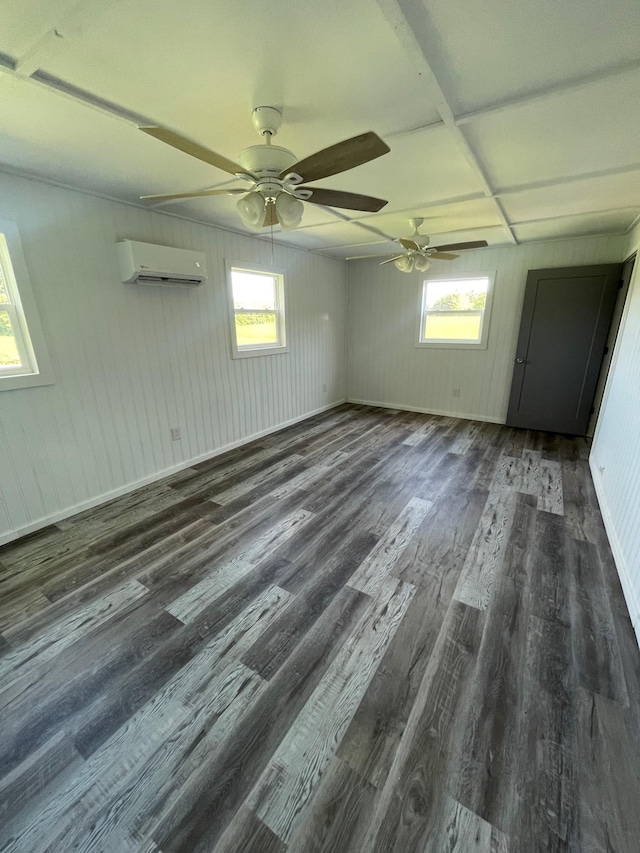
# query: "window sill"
x,y
24,380
250,353
449,345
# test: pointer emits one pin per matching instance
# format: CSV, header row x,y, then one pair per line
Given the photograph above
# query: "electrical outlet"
x,y
175,434
324,386
455,392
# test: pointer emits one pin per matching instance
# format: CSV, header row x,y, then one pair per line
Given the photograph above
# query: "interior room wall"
x,y
130,362
615,454
384,366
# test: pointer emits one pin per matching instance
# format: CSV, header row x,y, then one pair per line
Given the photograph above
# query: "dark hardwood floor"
x,y
374,631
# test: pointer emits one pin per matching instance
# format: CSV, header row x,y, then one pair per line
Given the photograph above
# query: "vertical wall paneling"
x,y
615,455
132,362
384,366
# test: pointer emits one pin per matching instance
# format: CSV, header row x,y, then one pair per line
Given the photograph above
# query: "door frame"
x,y
612,340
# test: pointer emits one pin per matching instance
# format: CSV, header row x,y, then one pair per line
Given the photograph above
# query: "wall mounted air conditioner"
x,y
147,263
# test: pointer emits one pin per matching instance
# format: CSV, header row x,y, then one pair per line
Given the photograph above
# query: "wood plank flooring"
x,y
372,632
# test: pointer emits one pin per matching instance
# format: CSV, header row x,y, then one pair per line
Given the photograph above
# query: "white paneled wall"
x,y
385,367
615,456
132,362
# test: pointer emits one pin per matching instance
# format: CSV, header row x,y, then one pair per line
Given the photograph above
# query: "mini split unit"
x,y
148,263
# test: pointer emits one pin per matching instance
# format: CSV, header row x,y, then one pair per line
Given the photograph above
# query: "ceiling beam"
x,y
548,92
407,18
421,128
633,224
76,94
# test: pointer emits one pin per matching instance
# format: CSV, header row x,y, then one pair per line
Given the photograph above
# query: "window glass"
x,y
258,310
453,311
4,290
9,355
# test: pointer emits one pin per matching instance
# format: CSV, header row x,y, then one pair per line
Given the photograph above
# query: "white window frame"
x,y
486,313
258,349
23,313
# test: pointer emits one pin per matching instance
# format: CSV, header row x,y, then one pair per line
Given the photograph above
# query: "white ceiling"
x,y
507,121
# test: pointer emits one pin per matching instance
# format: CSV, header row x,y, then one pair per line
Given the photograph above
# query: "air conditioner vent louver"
x,y
171,282
148,263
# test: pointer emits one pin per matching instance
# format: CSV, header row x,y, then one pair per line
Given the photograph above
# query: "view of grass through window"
x,y
454,310
8,347
255,308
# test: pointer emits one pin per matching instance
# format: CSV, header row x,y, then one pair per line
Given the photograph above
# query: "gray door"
x,y
563,333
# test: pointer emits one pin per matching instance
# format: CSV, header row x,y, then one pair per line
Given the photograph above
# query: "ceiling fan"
x,y
276,180
418,252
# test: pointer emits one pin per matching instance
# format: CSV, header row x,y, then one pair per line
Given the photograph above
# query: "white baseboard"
x,y
405,408
630,594
11,535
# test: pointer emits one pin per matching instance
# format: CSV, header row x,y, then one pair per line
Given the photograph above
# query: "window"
x,y
20,332
257,311
455,312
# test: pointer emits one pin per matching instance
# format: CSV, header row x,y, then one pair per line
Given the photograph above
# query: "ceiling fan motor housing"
x,y
266,159
267,162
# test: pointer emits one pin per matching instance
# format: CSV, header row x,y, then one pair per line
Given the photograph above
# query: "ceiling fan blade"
x,y
351,201
339,157
409,244
192,148
456,247
443,256
193,195
365,257
271,217
397,258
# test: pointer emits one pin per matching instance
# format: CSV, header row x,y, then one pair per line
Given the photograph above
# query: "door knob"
x,y
520,360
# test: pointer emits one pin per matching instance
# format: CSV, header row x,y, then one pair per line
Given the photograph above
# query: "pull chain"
x,y
271,226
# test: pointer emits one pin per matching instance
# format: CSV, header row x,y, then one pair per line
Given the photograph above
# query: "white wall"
x,y
615,455
386,368
131,362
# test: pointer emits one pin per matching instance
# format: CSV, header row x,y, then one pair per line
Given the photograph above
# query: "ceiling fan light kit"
x,y
418,254
289,211
421,263
251,210
404,264
274,194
